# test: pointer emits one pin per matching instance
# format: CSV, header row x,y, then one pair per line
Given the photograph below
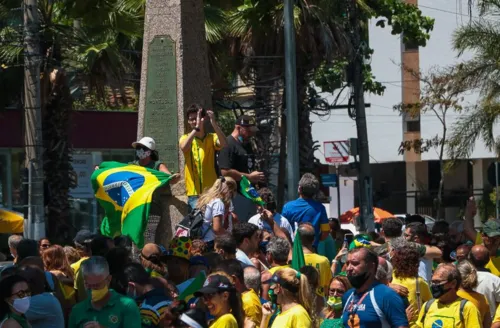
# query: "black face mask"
x,y
438,290
358,280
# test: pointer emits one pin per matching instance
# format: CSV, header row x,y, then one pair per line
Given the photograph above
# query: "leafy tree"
x,y
439,95
481,73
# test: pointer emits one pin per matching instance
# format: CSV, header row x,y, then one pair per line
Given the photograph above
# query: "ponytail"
x,y
305,293
297,285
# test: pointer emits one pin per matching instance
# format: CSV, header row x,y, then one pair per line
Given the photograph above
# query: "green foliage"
x,y
225,119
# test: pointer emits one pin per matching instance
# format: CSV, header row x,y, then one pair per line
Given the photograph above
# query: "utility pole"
x,y
364,177
292,158
33,141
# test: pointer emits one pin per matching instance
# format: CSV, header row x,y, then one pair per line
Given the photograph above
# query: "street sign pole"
x,y
338,191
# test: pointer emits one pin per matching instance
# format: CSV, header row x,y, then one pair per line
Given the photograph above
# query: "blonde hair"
x,y
304,296
223,188
469,275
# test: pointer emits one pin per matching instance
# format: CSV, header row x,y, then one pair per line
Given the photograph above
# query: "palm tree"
x,y
481,73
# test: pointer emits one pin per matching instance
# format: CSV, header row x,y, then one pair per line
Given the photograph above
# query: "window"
x,y
413,126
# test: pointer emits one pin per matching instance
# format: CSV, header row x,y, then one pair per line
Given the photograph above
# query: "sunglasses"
x,y
142,147
45,245
22,293
208,297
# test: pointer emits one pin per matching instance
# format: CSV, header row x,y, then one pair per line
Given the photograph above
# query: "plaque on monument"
x,y
160,111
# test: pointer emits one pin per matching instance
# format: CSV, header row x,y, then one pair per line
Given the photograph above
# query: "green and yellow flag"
x,y
125,192
298,260
249,191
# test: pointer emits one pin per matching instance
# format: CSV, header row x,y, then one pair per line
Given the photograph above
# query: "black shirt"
x,y
237,156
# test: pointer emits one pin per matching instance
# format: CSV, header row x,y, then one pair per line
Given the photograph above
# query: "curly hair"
x,y
405,261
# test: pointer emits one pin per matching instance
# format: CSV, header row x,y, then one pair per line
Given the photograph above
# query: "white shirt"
x,y
280,220
214,208
425,269
489,286
242,257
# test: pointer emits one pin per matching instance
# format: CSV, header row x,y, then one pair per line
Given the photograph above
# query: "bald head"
x,y
307,234
479,256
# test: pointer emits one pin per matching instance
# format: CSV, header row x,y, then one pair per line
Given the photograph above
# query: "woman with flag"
x,y
147,156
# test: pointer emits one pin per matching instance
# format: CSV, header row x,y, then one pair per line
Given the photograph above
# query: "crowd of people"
x,y
243,270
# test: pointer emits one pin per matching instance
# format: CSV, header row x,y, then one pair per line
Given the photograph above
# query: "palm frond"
x,y
215,23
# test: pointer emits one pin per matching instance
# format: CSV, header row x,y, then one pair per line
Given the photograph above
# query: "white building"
x,y
410,179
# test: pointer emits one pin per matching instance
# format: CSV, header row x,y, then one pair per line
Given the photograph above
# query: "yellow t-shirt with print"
x,y
479,301
295,317
321,264
225,321
494,263
199,168
276,268
497,315
448,315
411,285
252,306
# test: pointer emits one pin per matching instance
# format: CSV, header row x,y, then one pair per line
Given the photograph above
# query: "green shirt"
x,y
119,312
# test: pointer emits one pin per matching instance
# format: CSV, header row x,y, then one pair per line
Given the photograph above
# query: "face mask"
x,y
99,294
358,280
142,154
21,305
438,290
272,296
335,302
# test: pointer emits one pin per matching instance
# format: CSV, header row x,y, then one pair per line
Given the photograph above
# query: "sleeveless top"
x,y
20,319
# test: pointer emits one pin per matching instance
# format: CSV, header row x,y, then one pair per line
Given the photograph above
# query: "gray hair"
x,y
14,241
251,276
279,249
469,275
382,273
309,185
95,265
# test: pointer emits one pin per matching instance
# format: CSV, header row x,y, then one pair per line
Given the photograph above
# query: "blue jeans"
x,y
192,200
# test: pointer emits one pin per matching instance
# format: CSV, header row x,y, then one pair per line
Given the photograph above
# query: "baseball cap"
x,y
83,237
214,284
491,228
275,279
247,121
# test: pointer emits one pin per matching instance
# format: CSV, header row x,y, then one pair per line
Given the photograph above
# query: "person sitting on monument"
x,y
147,156
199,150
238,160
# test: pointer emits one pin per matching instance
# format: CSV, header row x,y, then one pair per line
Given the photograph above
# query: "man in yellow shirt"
x,y
446,309
321,263
496,319
199,150
82,242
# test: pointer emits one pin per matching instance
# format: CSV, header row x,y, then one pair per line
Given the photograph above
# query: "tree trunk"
x,y
282,163
306,142
441,179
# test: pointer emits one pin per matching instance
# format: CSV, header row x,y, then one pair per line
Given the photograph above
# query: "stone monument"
x,y
175,74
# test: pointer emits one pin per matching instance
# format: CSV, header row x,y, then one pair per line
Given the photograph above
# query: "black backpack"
x,y
192,225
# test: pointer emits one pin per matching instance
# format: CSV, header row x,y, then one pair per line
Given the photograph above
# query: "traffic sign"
x,y
336,151
329,180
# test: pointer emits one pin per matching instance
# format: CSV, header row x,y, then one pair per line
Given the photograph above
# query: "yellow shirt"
x,y
252,306
494,263
78,277
497,315
448,315
225,321
477,299
199,169
76,266
411,285
276,268
295,317
321,264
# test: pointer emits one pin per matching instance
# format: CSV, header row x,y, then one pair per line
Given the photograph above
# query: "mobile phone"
x,y
348,238
203,112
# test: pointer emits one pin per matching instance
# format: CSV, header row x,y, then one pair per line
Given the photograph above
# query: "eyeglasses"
x,y
45,245
22,293
98,285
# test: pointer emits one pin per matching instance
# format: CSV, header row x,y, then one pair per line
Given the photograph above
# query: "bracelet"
x,y
335,261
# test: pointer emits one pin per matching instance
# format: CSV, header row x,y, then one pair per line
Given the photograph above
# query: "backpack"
x,y
429,303
191,226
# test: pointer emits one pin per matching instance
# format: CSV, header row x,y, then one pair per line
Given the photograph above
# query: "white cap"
x,y
146,142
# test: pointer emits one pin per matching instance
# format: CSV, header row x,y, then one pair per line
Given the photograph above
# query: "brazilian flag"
x,y
249,191
125,192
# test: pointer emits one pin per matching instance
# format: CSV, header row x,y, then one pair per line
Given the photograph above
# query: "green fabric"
x,y
328,248
248,191
20,319
152,165
119,312
196,285
332,323
298,260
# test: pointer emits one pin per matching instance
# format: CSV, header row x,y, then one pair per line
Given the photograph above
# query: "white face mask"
x,y
142,154
22,305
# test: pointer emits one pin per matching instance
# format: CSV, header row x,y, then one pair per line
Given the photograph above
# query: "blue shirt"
x,y
306,210
328,248
382,307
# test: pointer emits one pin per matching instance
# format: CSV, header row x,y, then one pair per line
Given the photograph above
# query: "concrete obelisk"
x,y
175,74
